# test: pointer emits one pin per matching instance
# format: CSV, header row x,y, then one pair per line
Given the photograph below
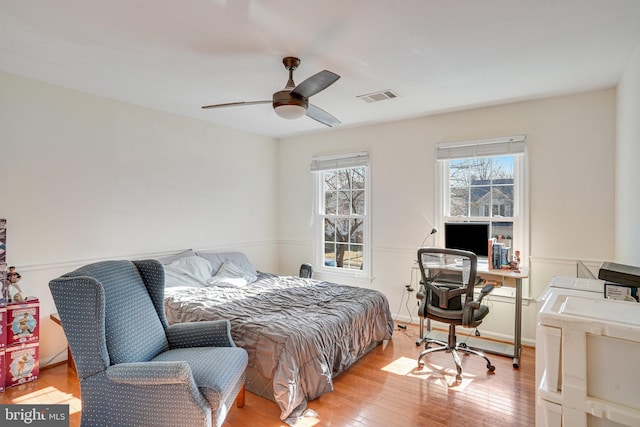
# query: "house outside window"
x,y
482,189
342,215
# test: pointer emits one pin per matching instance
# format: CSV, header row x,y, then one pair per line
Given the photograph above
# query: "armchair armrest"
x,y
215,333
154,381
150,373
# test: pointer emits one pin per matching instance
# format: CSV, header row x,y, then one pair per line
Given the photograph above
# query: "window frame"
x,y
494,147
333,163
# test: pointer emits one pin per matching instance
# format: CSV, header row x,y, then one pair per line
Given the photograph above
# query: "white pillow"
x,y
231,275
193,266
218,258
166,260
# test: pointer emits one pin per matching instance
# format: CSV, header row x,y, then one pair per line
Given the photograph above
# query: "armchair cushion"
x,y
217,371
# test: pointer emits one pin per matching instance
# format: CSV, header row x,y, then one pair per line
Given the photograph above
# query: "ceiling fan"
x,y
292,101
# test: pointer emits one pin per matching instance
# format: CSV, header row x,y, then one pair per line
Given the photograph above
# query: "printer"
x,y
621,282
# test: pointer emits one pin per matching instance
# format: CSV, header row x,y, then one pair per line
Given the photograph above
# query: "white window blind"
x,y
327,163
502,146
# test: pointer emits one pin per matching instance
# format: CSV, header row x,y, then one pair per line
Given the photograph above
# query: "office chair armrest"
x,y
422,291
150,373
475,304
484,292
213,333
468,315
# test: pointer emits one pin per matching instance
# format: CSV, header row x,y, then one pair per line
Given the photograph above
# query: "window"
x,y
342,214
486,182
481,189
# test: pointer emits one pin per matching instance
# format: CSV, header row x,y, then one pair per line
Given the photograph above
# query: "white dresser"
x,y
587,353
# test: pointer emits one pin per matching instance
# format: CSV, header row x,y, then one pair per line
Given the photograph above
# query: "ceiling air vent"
x,y
378,96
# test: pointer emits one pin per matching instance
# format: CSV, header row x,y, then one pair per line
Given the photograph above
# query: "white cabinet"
x,y
565,286
587,351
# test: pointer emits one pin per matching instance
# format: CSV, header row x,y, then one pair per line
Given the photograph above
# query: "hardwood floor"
x,y
384,388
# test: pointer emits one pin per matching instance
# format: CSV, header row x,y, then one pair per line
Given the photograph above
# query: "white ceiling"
x,y
437,55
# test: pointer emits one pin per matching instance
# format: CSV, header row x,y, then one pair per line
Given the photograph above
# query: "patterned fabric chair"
x,y
135,369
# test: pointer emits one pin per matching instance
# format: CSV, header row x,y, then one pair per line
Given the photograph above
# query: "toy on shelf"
x,y
515,264
13,277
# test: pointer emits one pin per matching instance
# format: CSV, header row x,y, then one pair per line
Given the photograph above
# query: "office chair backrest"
x,y
449,276
306,271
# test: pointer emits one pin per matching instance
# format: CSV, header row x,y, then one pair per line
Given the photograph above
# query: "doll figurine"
x,y
13,277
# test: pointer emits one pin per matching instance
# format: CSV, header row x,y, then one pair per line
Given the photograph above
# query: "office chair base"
x,y
453,348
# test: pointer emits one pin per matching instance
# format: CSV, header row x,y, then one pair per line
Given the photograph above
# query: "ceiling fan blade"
x,y
314,84
319,115
236,104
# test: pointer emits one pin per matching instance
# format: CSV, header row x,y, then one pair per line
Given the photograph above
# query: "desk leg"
x,y
422,332
517,347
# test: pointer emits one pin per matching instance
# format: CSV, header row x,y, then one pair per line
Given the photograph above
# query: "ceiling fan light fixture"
x,y
288,106
291,111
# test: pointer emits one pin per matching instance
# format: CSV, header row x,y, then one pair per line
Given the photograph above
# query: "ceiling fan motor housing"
x,y
284,97
285,104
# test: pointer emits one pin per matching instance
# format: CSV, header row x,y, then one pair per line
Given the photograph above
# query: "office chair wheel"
x,y
462,345
491,367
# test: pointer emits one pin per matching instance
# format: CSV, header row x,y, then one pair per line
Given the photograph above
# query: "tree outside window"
x,y
344,215
482,188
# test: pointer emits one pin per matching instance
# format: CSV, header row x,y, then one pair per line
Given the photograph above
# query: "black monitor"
x,y
468,236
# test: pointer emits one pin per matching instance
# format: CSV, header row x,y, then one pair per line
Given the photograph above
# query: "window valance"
x,y
342,161
506,145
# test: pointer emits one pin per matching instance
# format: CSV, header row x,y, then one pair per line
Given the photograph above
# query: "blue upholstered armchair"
x,y
135,369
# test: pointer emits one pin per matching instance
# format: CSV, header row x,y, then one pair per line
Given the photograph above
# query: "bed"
x,y
299,333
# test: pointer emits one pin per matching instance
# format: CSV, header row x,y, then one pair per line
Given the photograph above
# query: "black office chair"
x,y
446,295
306,271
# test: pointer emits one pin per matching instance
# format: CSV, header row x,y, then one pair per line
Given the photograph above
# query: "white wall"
x,y
571,142
628,164
85,178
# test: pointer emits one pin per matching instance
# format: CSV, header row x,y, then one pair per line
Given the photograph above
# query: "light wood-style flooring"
x,y
384,388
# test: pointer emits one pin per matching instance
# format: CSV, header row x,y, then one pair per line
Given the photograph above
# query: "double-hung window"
x,y
342,243
485,181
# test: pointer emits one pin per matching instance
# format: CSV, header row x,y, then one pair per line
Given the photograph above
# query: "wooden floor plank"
x,y
384,388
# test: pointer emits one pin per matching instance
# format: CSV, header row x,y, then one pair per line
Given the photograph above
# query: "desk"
x,y
511,350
